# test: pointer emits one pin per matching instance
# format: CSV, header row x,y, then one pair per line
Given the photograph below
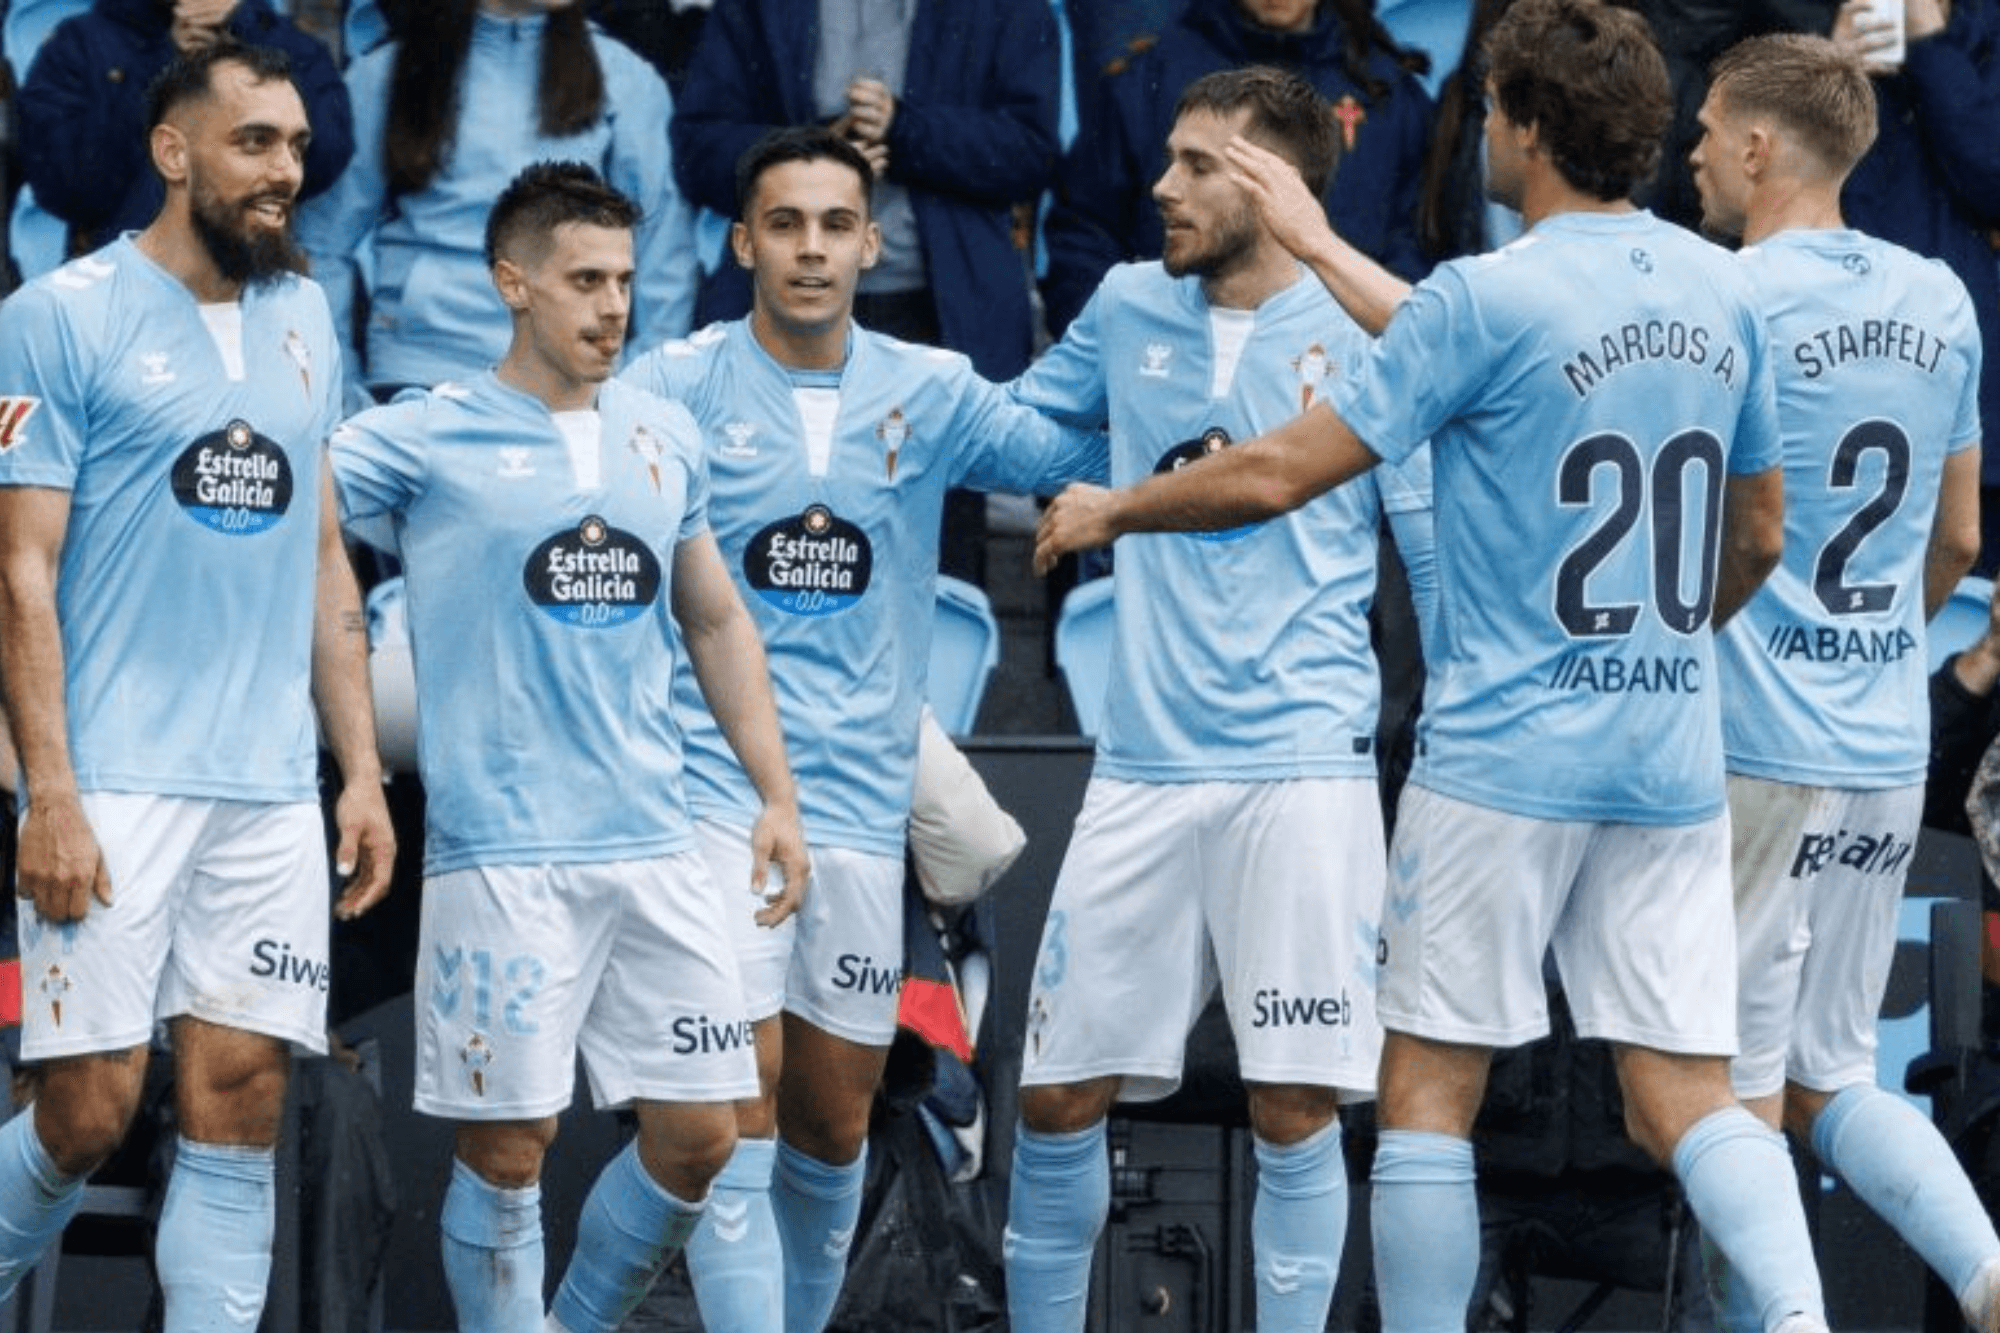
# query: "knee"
x,y
684,1150
831,1127
506,1155
79,1138
1287,1114
1067,1108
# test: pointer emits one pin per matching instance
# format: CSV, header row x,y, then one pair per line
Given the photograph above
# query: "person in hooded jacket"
x,y
1104,212
82,106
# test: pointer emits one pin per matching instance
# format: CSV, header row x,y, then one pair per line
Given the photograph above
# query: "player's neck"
x,y
536,378
1791,206
1264,272
1545,193
170,241
802,347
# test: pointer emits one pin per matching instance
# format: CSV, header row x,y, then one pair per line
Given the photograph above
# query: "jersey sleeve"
x,y
1420,371
1965,425
687,443
1759,445
44,408
1006,445
1405,488
379,469
1067,381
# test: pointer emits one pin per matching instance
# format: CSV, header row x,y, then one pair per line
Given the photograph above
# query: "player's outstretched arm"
x,y
1368,292
1954,542
728,660
1261,478
366,854
59,865
1753,537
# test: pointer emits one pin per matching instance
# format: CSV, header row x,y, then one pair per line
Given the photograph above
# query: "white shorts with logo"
x,y
1271,888
219,910
838,961
519,968
1819,881
1638,917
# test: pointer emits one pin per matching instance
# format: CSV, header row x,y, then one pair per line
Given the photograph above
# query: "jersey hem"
x,y
492,858
1179,772
1513,802
1824,780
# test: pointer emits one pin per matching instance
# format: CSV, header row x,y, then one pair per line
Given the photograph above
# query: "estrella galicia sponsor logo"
x,y
593,575
698,1034
1272,1008
813,564
1869,853
858,973
1211,441
234,480
275,959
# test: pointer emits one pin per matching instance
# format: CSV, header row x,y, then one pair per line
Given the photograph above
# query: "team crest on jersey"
x,y
812,564
477,1056
55,984
1211,441
1153,363
894,432
516,461
156,368
739,435
15,409
302,357
650,450
593,576
1313,365
234,481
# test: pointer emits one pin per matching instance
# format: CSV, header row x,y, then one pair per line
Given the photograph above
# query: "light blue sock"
x,y
213,1252
1728,1294
36,1200
1298,1229
1425,1219
816,1207
629,1229
734,1251
492,1243
1058,1198
1892,1156
1739,1181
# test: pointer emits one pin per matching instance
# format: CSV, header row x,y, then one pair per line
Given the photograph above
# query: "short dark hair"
x,y
1591,81
1285,110
798,143
191,75
1808,85
548,195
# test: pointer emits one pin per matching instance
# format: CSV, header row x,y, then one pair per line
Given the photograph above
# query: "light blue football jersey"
x,y
540,615
828,492
1585,391
1876,356
192,449
1239,655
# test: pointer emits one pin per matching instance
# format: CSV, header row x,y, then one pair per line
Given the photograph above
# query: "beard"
x,y
1232,238
245,253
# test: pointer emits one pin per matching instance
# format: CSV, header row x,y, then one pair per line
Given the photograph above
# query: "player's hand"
x,y
1077,520
871,109
1295,218
58,863
367,851
779,840
1861,35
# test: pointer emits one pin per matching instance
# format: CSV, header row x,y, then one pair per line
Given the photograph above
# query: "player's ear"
x,y
739,243
1759,147
170,152
511,283
871,245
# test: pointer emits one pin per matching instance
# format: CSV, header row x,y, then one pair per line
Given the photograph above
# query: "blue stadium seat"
x,y
1960,620
965,647
1083,650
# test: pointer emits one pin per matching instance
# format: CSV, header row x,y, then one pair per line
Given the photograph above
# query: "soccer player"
x,y
1232,832
174,597
1824,706
830,449
1608,487
554,532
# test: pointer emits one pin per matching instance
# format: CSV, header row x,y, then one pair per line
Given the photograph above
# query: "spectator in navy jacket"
x,y
82,107
1104,211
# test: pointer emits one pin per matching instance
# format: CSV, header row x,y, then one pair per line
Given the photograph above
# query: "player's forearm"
x,y
340,667
1259,479
1368,292
1954,540
32,675
729,665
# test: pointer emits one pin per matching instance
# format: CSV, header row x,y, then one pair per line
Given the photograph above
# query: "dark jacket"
x,y
83,111
974,133
1931,183
1104,212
